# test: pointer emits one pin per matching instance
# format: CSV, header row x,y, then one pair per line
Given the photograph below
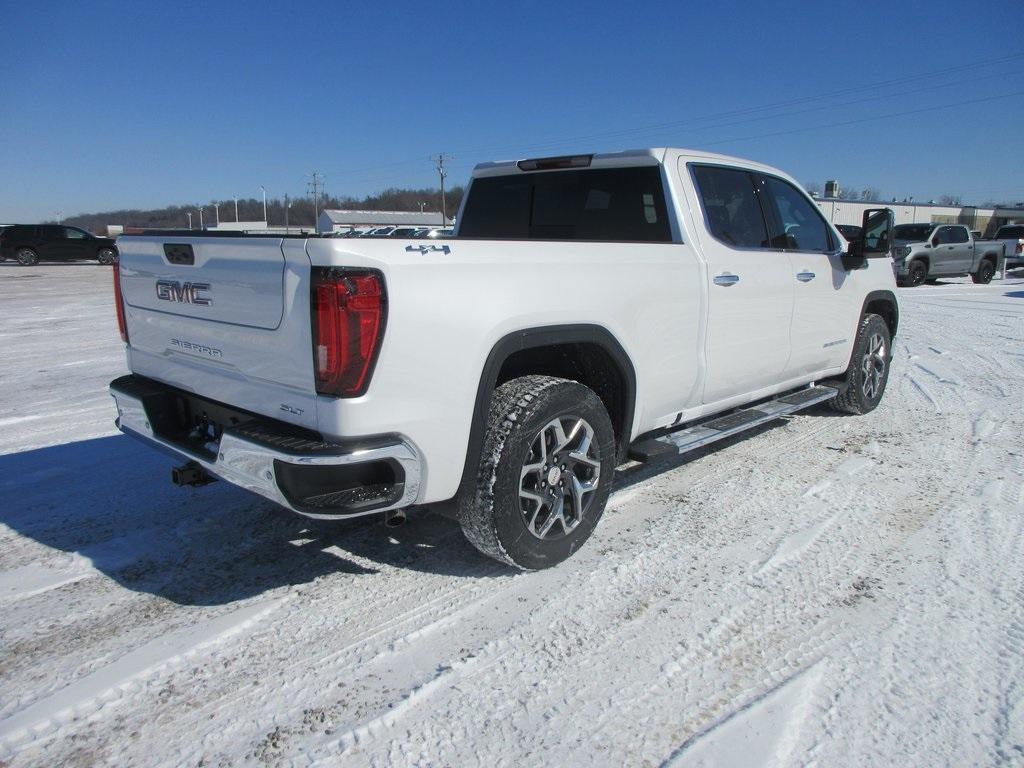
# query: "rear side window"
x,y
802,226
958,235
731,206
1009,233
602,204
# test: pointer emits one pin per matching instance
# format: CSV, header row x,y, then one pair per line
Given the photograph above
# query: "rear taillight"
x,y
1020,247
119,304
349,308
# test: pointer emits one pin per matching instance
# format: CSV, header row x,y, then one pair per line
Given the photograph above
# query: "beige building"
x,y
984,220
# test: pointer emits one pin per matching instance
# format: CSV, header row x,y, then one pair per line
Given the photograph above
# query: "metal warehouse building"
x,y
333,220
984,220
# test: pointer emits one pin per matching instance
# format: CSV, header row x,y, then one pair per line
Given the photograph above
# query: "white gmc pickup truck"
x,y
588,310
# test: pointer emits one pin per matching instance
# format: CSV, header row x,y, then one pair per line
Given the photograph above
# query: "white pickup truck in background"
x,y
589,309
1013,237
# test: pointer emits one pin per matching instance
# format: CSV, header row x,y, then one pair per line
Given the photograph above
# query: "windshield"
x,y
1007,233
912,232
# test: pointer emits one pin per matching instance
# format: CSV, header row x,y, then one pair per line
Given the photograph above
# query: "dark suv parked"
x,y
30,244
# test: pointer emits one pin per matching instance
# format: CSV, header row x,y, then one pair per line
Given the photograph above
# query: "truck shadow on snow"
x,y
109,500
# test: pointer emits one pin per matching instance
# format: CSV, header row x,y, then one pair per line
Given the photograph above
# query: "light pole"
x,y
216,210
264,203
201,226
236,210
60,216
421,207
287,205
189,214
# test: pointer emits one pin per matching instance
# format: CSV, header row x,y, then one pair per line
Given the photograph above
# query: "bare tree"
x,y
813,188
949,199
870,193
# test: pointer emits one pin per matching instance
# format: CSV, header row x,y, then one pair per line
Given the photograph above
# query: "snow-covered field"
x,y
829,591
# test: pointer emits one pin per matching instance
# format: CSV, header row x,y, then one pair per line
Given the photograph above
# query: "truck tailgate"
x,y
223,317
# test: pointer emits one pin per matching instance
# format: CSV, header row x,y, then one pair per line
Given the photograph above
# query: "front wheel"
x,y
917,273
106,256
985,273
26,257
865,379
544,474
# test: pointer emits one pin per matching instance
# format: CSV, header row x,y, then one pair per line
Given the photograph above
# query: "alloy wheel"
x,y
873,366
559,477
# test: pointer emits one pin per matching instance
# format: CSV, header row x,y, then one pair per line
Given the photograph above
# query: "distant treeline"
x,y
300,210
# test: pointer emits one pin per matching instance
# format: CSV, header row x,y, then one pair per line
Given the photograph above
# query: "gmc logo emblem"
x,y
183,293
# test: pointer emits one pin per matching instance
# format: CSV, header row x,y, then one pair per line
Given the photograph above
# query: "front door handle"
x,y
805,277
726,279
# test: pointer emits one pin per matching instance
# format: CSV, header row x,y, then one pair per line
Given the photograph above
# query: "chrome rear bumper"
x,y
262,457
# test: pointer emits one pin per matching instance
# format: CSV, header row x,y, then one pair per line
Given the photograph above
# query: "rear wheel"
x,y
26,257
544,475
985,273
106,256
868,373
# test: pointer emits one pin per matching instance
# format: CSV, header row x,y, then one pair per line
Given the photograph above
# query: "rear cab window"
x,y
732,211
594,204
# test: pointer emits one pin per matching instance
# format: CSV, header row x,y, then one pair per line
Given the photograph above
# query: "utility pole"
x,y
216,209
236,210
60,217
287,205
189,214
201,225
264,203
439,164
316,186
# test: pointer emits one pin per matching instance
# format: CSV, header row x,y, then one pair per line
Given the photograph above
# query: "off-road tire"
x,y
985,273
26,257
853,398
917,273
492,515
106,256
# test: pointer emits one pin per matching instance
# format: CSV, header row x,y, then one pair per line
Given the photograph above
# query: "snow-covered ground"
x,y
828,591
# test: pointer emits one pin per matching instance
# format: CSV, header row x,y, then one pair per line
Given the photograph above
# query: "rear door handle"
x,y
726,279
805,277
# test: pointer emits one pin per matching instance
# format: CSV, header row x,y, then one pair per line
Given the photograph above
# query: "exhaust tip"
x,y
393,518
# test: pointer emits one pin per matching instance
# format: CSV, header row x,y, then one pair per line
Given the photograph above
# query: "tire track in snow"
x,y
88,694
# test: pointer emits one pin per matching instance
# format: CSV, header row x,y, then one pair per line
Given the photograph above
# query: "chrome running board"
x,y
720,427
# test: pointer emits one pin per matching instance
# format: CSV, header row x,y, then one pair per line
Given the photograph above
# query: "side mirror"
x,y
854,257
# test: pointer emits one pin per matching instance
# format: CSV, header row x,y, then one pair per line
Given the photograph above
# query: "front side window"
x,y
600,204
802,226
944,236
731,206
73,234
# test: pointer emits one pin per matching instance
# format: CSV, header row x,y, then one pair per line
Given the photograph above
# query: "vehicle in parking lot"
x,y
31,243
590,309
443,232
928,251
1013,236
403,232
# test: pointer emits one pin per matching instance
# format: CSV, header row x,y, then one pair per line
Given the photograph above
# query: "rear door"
x,y
750,285
53,245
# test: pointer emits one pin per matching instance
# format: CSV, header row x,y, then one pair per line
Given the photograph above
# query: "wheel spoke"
x,y
557,512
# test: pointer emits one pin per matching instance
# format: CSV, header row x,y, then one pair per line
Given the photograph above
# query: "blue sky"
x,y
115,105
